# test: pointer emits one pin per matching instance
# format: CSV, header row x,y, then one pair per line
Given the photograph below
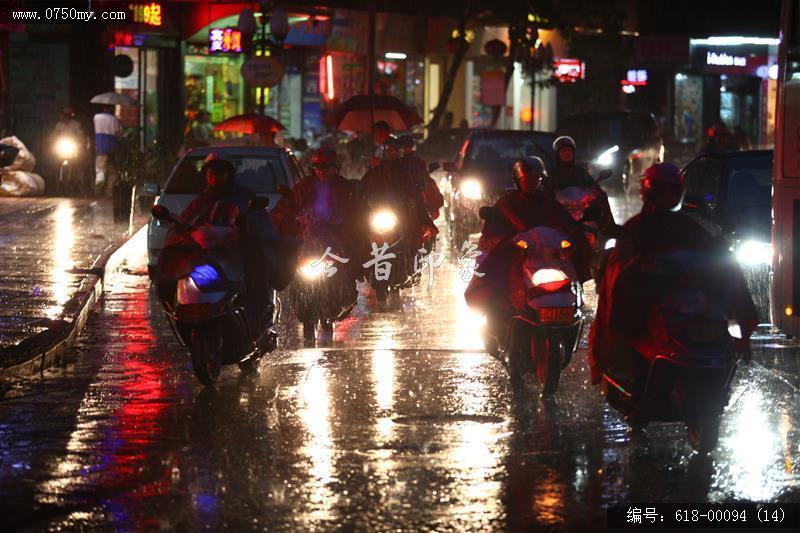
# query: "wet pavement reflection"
x,y
400,420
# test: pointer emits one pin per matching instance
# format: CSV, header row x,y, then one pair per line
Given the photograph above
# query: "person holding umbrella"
x,y
107,130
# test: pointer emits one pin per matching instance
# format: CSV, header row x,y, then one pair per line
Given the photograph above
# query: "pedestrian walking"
x,y
107,130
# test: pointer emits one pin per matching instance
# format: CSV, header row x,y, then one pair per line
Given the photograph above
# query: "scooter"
x,y
200,282
66,149
319,296
682,370
547,322
389,230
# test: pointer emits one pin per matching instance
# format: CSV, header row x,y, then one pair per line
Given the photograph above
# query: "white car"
x,y
262,169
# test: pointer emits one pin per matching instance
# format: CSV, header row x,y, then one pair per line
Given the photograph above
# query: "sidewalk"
x,y
52,253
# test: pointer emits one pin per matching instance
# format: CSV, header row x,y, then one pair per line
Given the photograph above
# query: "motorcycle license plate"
x,y
556,314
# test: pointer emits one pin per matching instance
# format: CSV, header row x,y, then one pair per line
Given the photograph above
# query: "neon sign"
x,y
149,13
637,77
569,70
224,40
725,60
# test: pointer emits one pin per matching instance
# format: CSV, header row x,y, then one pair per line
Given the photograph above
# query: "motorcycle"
x,y
200,281
547,300
66,149
316,296
389,230
683,368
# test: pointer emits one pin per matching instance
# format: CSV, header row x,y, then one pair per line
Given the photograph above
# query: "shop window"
x,y
213,84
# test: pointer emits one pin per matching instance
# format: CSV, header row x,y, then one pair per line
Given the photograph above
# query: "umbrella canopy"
x,y
356,114
250,123
114,99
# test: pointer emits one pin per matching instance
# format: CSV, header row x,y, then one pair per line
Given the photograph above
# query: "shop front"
x,y
152,45
733,84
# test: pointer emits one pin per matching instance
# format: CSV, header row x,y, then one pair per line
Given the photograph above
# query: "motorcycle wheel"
x,y
309,329
458,235
381,294
519,354
204,346
703,433
626,177
548,364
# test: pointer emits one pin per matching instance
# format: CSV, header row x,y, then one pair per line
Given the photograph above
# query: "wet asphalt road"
x,y
399,421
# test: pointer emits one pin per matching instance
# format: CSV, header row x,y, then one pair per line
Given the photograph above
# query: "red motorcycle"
x,y
681,364
547,299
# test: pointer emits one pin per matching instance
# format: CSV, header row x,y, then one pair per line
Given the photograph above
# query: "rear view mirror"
x,y
8,154
160,212
604,175
433,167
449,167
259,203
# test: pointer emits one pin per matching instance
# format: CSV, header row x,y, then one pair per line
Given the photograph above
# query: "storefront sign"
x,y
224,40
637,77
148,13
569,70
262,71
725,60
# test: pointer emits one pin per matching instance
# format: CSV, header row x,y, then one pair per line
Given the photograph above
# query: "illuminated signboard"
x,y
148,13
569,70
636,77
725,60
224,40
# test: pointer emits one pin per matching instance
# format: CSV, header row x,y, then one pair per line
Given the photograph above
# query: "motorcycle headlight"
x,y
549,279
383,221
206,278
66,148
312,269
753,253
471,189
606,159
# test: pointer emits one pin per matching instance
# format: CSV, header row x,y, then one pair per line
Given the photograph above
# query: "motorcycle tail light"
x,y
550,279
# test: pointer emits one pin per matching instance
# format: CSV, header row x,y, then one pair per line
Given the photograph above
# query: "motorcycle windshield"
x,y
576,199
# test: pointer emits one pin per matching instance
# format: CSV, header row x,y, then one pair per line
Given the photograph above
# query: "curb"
x,y
77,311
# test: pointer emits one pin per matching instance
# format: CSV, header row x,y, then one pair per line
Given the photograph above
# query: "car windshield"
x,y
598,131
260,174
499,153
750,182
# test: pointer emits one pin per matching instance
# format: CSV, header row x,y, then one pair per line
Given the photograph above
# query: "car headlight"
x,y
383,221
754,253
66,148
471,189
606,159
312,268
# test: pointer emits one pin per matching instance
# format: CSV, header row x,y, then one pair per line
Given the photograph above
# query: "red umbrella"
x,y
356,114
250,124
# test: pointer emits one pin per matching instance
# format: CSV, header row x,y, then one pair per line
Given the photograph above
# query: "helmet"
x,y
390,148
406,141
325,157
663,187
561,142
532,170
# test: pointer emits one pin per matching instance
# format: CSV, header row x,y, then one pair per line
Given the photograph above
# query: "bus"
x,y
785,286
